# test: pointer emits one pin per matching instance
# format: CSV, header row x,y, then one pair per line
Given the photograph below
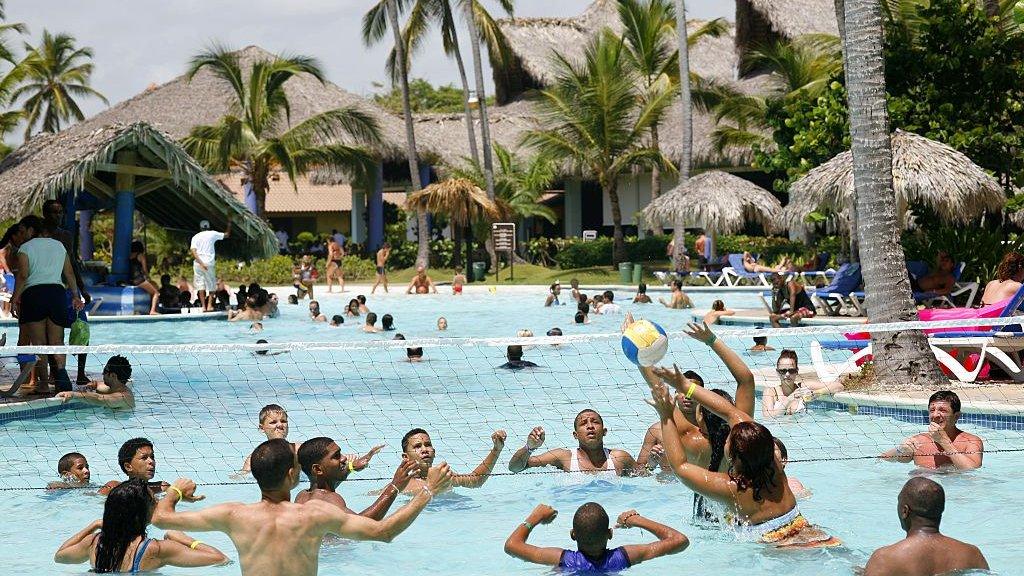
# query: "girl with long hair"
x,y
118,542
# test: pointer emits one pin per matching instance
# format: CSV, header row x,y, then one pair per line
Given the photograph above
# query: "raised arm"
x,y
522,459
651,451
479,475
740,371
517,546
670,540
75,550
714,485
212,519
439,479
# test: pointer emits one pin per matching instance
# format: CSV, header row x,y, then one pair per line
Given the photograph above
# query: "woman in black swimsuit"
x,y
138,270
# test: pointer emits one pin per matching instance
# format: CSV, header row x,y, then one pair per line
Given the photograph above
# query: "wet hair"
x,y
718,431
787,353
760,340
555,332
138,247
371,319
677,284
946,396
718,305
552,287
782,448
67,461
293,299
642,288
165,279
583,298
925,498
580,317
361,299
609,295
338,319
387,322
414,352
1011,265
262,352
270,408
590,523
583,307
584,411
753,446
120,367
270,462
691,375
514,352
129,449
410,434
126,514
312,451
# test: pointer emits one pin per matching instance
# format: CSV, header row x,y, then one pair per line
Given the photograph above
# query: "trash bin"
x,y
638,273
479,271
625,272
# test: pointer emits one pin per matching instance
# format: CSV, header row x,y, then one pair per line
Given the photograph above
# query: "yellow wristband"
x,y
351,467
689,393
181,496
194,544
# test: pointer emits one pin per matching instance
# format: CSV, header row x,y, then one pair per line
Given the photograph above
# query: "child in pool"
x,y
73,470
591,532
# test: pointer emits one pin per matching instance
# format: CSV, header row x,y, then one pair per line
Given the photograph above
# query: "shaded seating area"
x,y
125,168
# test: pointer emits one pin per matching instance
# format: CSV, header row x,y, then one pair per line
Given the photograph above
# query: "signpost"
x,y
504,235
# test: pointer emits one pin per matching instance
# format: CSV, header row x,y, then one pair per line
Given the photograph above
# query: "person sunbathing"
x,y
751,265
1009,276
940,281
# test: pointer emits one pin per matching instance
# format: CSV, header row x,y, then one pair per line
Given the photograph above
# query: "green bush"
x,y
273,271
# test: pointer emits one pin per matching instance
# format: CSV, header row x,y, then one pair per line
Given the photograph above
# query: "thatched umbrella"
x,y
463,202
720,202
924,171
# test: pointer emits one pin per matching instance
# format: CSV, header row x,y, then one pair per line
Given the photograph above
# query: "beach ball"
x,y
644,343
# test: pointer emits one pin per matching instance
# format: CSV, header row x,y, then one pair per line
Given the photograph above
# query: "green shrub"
x,y
273,271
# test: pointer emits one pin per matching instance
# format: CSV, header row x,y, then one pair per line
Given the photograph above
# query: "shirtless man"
x,y
419,450
421,283
334,270
591,455
275,537
382,263
112,392
925,551
321,459
943,445
941,281
679,299
314,312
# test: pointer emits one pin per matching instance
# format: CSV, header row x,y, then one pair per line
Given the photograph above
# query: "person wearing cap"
x,y
203,256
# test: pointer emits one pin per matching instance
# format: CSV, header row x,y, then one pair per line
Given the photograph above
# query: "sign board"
x,y
504,236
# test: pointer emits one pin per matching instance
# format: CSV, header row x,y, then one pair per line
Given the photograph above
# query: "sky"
x,y
137,43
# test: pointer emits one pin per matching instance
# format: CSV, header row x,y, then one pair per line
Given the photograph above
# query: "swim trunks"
x,y
457,289
44,302
613,561
380,270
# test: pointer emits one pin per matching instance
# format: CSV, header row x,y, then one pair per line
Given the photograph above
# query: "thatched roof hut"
x,y
923,171
176,192
717,201
461,200
760,22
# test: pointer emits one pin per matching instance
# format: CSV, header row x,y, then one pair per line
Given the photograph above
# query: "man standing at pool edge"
x,y
925,551
276,537
203,261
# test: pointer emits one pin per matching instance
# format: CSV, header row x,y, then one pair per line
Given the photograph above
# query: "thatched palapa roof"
x,y
923,171
717,201
177,193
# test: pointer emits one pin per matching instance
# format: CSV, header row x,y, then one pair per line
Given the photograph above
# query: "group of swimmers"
x,y
604,303
707,438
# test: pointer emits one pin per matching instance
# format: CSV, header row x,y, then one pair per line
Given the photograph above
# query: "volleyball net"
x,y
199,404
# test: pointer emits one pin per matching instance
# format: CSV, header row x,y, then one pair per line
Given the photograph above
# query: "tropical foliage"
x,y
597,121
424,97
257,137
518,183
53,74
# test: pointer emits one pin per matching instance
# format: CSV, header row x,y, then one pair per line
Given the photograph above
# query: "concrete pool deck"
x,y
759,318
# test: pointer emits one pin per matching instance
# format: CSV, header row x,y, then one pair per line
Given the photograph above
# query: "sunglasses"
x,y
789,371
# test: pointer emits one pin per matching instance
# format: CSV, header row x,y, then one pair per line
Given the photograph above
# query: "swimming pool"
x,y
200,411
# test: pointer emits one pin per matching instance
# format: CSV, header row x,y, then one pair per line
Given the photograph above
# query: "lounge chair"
x,y
959,288
821,270
735,273
836,298
829,374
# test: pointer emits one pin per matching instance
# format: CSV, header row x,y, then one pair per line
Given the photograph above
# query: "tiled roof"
x,y
283,198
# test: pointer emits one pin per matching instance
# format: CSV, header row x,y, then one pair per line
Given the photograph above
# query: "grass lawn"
x,y
531,274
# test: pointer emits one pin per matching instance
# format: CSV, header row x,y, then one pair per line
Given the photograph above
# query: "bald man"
x,y
925,551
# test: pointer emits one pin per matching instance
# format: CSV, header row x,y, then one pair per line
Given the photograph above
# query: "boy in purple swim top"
x,y
591,532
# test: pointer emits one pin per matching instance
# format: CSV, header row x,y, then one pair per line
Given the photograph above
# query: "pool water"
x,y
200,409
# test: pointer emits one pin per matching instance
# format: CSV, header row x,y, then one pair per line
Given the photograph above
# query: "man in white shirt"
x,y
609,306
282,241
204,255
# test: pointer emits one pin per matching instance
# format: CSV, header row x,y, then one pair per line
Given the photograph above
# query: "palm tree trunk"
x,y
685,96
611,189
840,7
656,175
900,357
485,125
423,234
467,109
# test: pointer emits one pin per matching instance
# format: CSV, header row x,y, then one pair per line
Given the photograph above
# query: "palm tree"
x,y
904,356
376,22
55,72
594,119
257,137
9,81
